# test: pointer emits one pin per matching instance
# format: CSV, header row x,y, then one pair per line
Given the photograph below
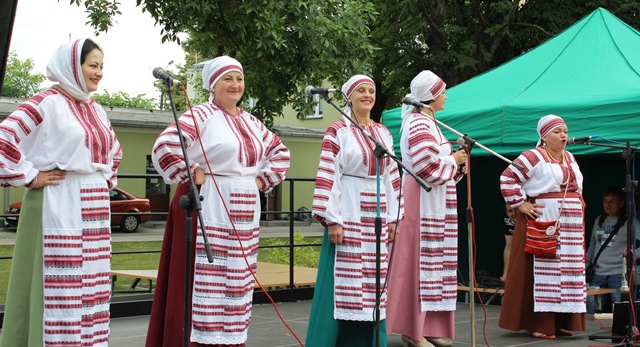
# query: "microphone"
x,y
574,140
311,91
160,74
624,285
415,103
462,145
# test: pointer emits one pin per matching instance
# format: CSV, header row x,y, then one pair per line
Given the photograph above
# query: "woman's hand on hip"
x,y
530,209
336,234
49,178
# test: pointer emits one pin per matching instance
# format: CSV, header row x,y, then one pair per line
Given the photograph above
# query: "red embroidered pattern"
x,y
222,71
546,129
97,134
74,63
355,85
437,88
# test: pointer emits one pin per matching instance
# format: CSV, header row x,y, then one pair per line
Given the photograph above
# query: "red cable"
x,y
244,255
473,236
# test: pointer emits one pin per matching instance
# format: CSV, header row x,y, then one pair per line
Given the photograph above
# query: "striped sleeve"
x,y
395,201
116,156
392,185
15,169
167,154
276,161
512,178
326,194
424,150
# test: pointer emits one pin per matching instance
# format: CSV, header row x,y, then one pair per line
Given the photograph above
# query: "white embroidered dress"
x,y
52,131
345,194
427,152
240,150
559,284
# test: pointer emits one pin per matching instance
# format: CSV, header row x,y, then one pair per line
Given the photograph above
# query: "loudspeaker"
x,y
621,317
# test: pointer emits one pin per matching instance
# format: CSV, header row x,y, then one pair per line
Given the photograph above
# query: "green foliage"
x,y
100,13
286,45
122,99
185,74
19,82
303,256
283,45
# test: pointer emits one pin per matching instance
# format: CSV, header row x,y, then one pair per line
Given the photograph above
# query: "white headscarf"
x,y
425,86
216,68
65,67
352,84
546,124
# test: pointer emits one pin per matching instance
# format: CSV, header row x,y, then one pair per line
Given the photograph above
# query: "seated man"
x,y
609,265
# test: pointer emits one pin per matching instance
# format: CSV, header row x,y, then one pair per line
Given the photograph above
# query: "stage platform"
x,y
267,331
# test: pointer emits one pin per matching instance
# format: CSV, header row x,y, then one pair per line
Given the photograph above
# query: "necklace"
x,y
562,163
363,121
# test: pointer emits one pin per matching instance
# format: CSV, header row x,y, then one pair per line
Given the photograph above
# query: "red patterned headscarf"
x,y
352,84
424,87
65,67
547,123
215,68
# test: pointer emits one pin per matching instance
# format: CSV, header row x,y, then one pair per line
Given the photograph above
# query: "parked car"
x,y
136,211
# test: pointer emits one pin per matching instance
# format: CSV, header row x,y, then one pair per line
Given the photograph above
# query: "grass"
x,y
304,256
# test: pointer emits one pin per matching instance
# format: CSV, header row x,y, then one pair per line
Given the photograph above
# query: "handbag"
x,y
542,237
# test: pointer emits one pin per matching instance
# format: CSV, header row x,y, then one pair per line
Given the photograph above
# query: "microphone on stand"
x,y
462,145
311,91
575,140
161,74
415,103
624,287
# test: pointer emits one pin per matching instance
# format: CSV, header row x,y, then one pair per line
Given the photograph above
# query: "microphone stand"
x,y
380,151
189,202
469,142
629,186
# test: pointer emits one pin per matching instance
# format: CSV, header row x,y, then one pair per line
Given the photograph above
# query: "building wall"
x,y
143,127
305,155
329,115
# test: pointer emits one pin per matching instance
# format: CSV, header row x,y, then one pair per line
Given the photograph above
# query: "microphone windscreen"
x,y
156,72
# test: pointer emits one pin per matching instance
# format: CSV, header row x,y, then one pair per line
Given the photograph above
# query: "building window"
x,y
316,104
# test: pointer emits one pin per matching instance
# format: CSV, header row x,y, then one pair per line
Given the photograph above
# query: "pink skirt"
x,y
403,295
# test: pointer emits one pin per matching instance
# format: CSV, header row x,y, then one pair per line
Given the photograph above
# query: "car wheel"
x,y
130,223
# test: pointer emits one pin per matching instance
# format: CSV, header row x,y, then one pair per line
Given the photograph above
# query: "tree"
x,y
185,75
283,45
122,99
286,45
19,82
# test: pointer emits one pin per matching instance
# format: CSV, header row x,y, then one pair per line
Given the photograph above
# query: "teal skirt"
x,y
324,330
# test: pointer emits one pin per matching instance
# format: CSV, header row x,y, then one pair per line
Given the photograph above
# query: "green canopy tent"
x,y
589,75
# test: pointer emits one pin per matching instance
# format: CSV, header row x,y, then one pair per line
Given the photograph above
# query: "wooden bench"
x,y
494,292
270,276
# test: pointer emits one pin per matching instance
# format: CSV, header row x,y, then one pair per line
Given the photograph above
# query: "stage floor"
x,y
267,331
